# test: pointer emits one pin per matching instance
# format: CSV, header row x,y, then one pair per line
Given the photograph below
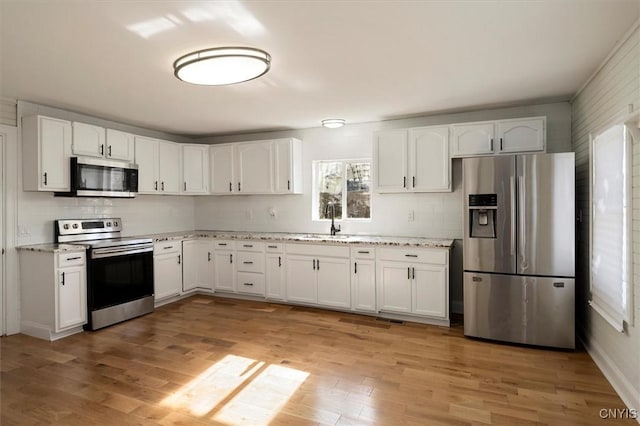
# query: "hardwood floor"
x,y
209,360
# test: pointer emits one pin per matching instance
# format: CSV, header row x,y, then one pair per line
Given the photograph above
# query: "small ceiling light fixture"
x,y
333,123
222,65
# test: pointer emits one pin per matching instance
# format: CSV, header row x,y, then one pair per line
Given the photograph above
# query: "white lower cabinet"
x,y
414,281
250,268
275,276
224,267
167,269
197,265
363,279
53,293
318,274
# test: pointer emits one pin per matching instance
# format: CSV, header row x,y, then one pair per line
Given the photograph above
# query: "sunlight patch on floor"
x,y
262,398
238,391
206,391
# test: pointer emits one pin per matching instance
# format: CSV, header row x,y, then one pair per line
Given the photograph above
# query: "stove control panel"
x,y
87,226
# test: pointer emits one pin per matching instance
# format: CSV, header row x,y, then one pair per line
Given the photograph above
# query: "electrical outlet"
x,y
23,231
411,216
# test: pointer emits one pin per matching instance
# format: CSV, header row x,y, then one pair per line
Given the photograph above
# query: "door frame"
x,y
9,287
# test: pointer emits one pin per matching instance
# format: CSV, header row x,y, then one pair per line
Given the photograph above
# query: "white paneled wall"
x,y
614,88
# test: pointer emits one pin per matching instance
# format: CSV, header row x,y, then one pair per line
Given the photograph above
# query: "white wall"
x,y
142,215
436,215
609,94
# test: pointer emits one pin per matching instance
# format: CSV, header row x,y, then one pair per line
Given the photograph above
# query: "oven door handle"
x,y
120,251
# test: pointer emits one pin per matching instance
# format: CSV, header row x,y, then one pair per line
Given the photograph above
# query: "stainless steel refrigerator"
x,y
519,249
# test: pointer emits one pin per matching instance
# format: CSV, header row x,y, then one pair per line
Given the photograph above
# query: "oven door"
x,y
117,275
92,177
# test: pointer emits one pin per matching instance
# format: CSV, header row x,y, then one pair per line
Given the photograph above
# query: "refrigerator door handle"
x,y
521,215
512,181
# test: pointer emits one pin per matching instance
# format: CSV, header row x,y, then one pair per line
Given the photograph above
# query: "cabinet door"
x,y
363,285
88,140
287,166
119,145
197,265
71,306
430,290
275,276
521,135
301,279
54,151
255,168
146,156
472,139
221,164
167,273
429,161
169,167
334,282
390,161
224,271
195,169
394,293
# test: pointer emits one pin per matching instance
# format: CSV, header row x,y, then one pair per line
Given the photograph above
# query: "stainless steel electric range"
x,y
119,269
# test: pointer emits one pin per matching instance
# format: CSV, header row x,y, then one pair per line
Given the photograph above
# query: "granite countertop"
x,y
312,238
267,236
53,247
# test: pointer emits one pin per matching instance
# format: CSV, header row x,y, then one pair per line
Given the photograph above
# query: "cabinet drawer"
x,y
363,252
422,255
252,283
71,259
164,247
274,247
224,245
250,262
250,246
318,250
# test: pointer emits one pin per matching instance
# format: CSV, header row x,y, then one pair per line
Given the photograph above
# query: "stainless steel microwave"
x,y
94,177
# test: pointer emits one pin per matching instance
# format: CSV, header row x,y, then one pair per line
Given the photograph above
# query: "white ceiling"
x,y
358,60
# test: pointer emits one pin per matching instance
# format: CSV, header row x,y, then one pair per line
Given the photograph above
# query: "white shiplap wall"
x,y
611,93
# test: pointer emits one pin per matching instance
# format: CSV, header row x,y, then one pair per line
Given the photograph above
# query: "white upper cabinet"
x,y
119,146
390,159
221,164
287,155
88,140
46,148
169,167
472,139
195,169
254,165
413,160
522,135
147,158
96,141
429,162
499,137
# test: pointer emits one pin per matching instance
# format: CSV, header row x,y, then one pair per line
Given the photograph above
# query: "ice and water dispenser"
x,y
483,209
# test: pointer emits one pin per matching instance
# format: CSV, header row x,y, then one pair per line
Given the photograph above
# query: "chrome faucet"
x,y
331,205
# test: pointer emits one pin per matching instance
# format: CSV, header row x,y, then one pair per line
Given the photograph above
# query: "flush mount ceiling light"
x,y
333,123
222,65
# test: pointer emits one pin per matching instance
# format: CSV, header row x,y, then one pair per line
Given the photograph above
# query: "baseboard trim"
x,y
629,395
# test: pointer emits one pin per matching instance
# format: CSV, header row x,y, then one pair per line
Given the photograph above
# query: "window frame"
x,y
315,195
616,316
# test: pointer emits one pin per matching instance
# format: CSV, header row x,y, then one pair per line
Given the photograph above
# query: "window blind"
x,y
610,231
